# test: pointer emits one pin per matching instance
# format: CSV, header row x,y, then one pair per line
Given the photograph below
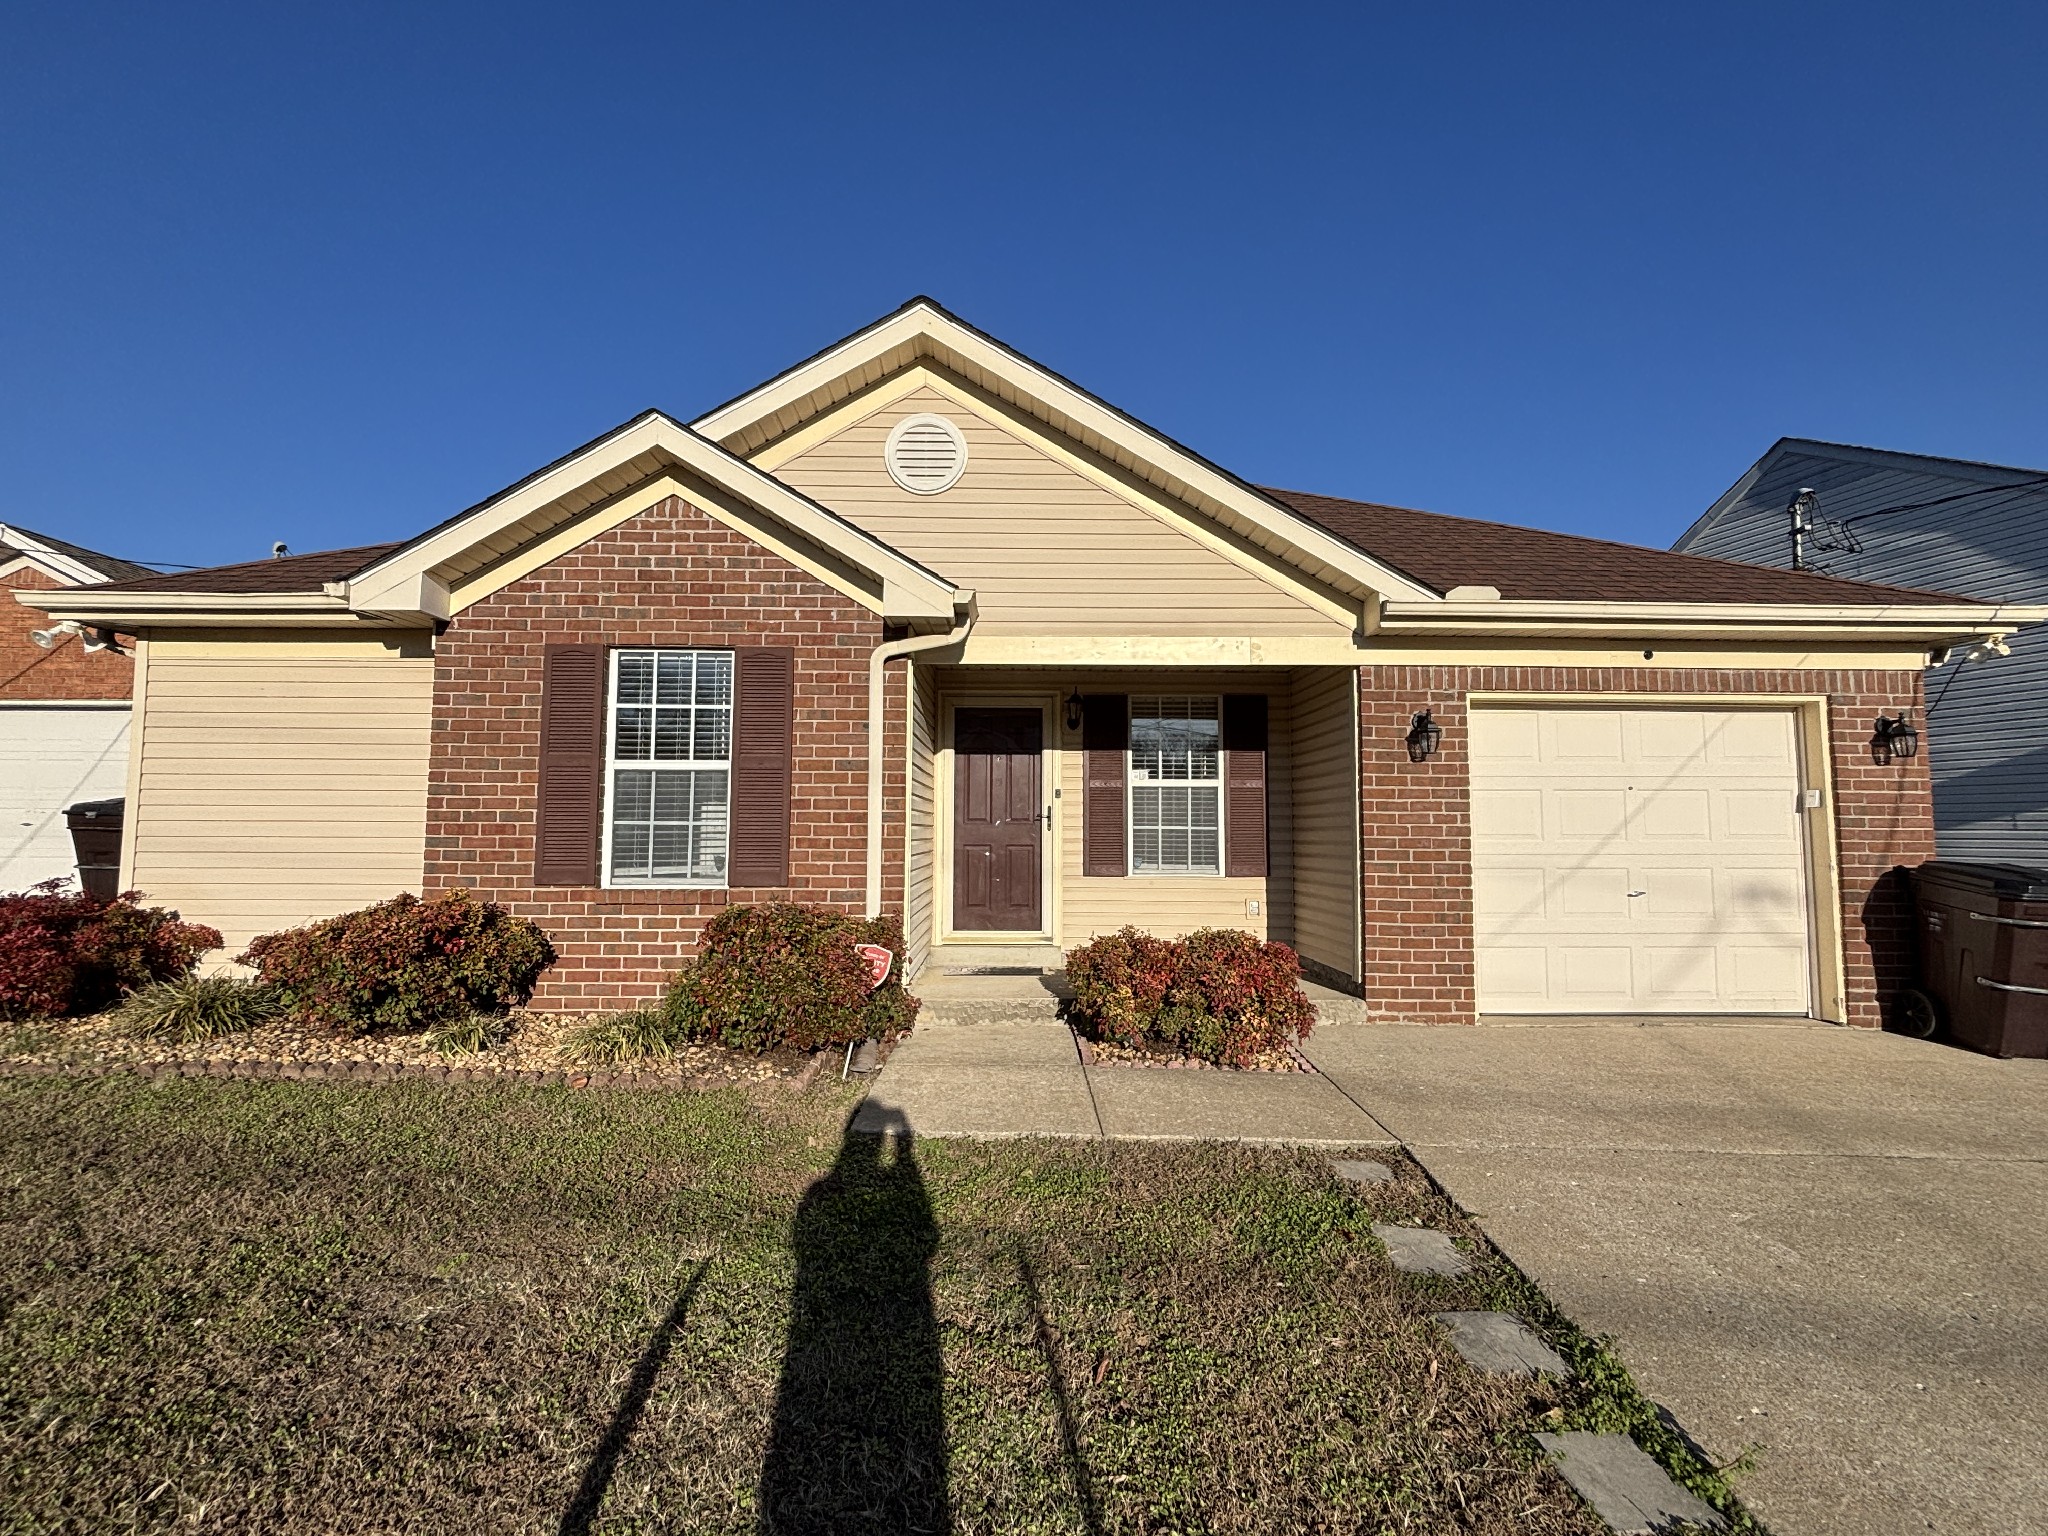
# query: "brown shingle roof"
x,y
287,573
1530,563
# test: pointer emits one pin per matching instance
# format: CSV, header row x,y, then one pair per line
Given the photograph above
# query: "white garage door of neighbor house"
x,y
53,756
1628,860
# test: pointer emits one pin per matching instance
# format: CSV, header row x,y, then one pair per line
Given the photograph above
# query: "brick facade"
x,y
670,576
1416,834
67,671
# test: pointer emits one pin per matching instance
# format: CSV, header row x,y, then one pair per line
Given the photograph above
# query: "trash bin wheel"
x,y
1917,1014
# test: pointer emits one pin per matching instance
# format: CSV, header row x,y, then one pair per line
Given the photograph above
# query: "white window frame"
x,y
1131,787
612,763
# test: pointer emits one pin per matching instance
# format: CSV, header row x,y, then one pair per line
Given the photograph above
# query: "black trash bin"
x,y
96,843
1983,956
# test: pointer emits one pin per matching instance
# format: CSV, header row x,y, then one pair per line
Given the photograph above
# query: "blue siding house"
x,y
1944,525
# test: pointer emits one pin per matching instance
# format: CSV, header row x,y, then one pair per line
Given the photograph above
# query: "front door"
x,y
997,820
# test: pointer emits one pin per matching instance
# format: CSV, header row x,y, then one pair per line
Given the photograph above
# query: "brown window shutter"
x,y
763,748
1244,784
1105,743
571,788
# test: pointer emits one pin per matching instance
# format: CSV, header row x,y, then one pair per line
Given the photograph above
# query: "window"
x,y
1176,791
668,767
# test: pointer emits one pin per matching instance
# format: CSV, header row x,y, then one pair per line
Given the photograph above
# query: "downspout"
x,y
879,658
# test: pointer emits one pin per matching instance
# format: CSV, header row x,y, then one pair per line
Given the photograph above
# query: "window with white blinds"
x,y
1176,786
668,767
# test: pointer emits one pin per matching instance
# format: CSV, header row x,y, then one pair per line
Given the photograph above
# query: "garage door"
x,y
1638,860
51,756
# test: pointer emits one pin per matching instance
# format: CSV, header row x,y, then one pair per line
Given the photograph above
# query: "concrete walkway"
x,y
989,1057
1829,1244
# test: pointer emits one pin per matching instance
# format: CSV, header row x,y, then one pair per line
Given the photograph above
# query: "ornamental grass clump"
x,y
783,975
1219,994
65,953
637,1034
404,964
189,1009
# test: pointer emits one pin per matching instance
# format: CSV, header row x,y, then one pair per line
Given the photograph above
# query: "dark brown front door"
x,y
996,820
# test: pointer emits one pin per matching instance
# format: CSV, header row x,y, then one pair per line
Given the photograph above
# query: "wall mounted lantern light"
x,y
1894,737
1074,710
1424,735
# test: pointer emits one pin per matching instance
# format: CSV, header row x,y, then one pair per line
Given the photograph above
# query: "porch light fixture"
x,y
1424,736
1894,737
1074,710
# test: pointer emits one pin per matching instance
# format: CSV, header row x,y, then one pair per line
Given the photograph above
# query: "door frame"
x,y
1827,986
943,808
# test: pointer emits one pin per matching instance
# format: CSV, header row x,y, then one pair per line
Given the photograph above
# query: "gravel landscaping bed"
x,y
1096,1053
534,1048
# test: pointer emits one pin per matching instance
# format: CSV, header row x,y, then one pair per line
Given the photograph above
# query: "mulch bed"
x,y
1100,1053
532,1051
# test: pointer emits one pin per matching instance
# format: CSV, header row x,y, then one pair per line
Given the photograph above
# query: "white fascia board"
x,y
129,611
403,580
947,336
1900,620
56,563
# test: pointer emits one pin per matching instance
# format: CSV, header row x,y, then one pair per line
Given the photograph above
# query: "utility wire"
x,y
1942,501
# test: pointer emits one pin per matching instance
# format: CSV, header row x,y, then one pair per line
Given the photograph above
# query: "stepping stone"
x,y
1500,1345
1356,1171
1625,1487
1421,1251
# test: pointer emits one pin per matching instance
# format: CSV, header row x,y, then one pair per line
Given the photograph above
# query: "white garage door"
x,y
52,756
1631,860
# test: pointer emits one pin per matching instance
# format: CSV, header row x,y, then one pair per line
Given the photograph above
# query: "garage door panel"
x,y
1643,859
1508,813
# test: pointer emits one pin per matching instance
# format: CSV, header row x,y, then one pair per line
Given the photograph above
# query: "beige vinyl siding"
x,y
1047,550
1325,723
917,893
280,779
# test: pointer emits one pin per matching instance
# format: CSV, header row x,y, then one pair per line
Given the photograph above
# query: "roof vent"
x,y
925,454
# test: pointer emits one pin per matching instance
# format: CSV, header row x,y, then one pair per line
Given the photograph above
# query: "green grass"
x,y
233,1306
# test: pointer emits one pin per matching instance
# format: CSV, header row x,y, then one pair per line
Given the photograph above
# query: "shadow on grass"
x,y
1056,1383
597,1475
859,1438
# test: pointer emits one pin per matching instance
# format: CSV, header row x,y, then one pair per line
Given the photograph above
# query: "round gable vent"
x,y
925,454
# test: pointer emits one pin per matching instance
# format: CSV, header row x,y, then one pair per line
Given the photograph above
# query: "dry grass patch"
x,y
293,1308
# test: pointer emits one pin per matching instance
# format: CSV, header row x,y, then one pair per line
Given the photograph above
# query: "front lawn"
x,y
237,1306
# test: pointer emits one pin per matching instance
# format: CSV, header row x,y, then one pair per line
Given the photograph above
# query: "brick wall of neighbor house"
x,y
671,576
1417,840
65,671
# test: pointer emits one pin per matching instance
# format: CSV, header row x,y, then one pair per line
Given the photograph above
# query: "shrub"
x,y
639,1034
191,1008
1219,994
67,952
788,975
404,964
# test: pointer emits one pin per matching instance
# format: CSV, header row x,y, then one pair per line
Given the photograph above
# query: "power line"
x,y
1942,501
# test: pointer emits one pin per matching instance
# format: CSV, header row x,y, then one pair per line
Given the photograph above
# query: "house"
x,y
920,626
64,703
1953,526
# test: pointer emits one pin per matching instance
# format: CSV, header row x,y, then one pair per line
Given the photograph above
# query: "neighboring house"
x,y
1952,526
919,626
63,708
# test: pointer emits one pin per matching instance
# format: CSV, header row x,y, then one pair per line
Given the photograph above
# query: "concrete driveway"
x,y
1827,1244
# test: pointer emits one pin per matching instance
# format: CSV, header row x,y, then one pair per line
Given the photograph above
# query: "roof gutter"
x,y
964,613
1918,622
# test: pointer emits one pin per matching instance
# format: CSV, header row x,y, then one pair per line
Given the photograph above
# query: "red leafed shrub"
x,y
782,974
67,952
404,964
1218,994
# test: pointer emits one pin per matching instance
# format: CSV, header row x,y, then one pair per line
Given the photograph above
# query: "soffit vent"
x,y
925,454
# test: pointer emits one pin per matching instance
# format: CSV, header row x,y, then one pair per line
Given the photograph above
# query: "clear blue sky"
x,y
328,274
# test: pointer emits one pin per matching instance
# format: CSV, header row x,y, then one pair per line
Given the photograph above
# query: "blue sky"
x,y
328,274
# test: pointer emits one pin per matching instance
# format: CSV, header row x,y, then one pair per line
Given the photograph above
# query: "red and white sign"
x,y
879,960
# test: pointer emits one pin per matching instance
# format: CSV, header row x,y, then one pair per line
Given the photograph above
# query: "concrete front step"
x,y
993,959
